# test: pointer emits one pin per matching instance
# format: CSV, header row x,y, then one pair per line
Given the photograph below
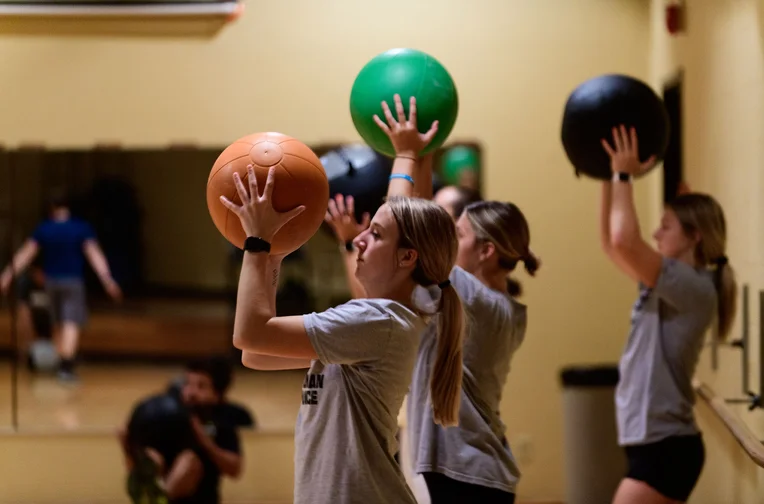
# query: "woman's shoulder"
x,y
380,308
677,274
500,325
679,267
469,287
478,296
373,304
517,314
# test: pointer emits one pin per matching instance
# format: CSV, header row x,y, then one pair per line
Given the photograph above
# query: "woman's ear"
x,y
697,238
407,258
487,249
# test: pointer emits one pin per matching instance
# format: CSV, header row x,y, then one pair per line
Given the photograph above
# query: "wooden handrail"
x,y
740,431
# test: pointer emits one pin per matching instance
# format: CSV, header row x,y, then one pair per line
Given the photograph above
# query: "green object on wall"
x,y
457,159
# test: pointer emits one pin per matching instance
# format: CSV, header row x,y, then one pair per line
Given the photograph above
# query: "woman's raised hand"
x,y
256,212
403,133
341,218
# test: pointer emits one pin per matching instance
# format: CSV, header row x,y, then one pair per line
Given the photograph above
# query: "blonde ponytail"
x,y
726,289
701,215
446,377
428,229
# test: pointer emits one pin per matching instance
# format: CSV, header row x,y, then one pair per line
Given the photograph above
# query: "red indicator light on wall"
x,y
675,17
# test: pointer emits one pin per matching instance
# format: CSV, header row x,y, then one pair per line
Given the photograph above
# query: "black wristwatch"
x,y
349,245
622,177
255,244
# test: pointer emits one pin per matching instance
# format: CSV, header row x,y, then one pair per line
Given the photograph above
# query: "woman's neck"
x,y
496,280
401,293
688,257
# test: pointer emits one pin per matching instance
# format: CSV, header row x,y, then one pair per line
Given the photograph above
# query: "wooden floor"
x,y
107,392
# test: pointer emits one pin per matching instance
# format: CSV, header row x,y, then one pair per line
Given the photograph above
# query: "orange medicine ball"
x,y
300,180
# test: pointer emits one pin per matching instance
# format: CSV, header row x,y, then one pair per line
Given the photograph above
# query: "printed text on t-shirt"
x,y
310,387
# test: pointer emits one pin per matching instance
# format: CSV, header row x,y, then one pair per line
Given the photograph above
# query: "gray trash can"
x,y
594,463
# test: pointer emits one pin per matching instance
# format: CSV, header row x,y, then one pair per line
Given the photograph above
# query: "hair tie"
x,y
721,261
445,284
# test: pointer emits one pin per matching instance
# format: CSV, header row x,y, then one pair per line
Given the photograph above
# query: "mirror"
x,y
7,385
177,277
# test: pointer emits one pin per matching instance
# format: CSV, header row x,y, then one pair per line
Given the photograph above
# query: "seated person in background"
x,y
191,473
207,382
233,414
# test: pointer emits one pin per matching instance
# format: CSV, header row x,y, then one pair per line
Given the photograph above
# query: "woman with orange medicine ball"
x,y
471,462
683,286
360,355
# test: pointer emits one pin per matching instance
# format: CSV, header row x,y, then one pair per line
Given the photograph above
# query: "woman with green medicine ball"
x,y
471,462
684,285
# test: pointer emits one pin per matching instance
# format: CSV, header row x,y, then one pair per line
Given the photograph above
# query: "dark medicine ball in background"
x,y
163,423
604,102
357,170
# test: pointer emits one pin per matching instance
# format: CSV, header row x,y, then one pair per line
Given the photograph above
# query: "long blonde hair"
x,y
701,214
504,225
428,229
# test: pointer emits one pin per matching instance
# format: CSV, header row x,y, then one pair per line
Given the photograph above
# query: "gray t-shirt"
x,y
345,440
654,397
476,451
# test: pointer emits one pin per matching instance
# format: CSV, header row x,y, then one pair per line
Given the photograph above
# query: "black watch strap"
x,y
349,245
624,177
255,244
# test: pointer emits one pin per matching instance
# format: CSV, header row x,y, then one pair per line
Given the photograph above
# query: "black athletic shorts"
x,y
671,466
444,490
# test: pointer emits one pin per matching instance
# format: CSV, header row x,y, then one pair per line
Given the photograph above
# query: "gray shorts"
x,y
67,301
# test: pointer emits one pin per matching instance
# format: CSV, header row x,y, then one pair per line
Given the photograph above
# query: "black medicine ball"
x,y
357,170
163,423
604,102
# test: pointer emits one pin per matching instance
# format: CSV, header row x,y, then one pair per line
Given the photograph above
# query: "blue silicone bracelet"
x,y
403,176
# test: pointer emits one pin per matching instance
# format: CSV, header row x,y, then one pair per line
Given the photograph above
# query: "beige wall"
x,y
721,55
289,65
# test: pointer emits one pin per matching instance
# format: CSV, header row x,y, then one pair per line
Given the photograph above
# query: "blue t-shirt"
x,y
61,244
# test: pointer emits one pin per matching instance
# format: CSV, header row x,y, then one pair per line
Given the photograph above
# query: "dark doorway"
x,y
672,164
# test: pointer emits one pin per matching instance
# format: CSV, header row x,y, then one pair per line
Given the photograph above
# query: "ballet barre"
x,y
752,399
740,431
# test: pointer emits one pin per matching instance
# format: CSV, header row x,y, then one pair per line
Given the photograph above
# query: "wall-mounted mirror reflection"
x,y
122,285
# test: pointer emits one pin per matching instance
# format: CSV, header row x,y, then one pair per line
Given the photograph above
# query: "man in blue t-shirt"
x,y
65,243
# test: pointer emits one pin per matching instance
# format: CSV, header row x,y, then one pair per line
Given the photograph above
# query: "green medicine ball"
x,y
456,160
407,72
